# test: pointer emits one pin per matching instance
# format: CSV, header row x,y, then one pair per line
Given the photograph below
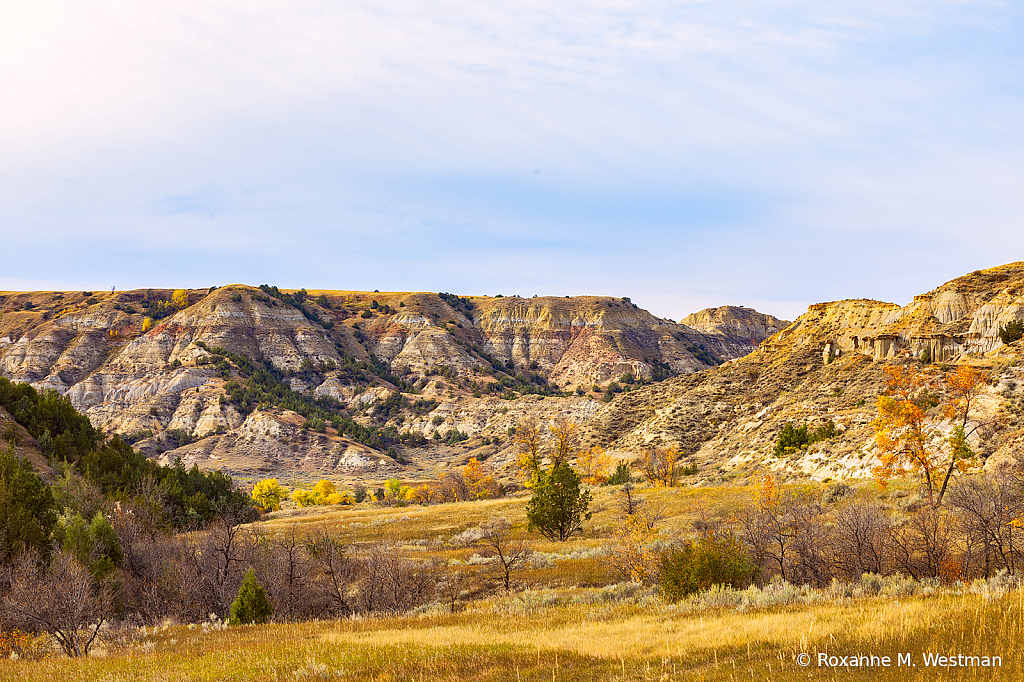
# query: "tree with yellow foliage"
x,y
661,465
632,552
324,493
323,490
593,465
481,484
566,437
268,494
179,299
147,324
393,490
527,437
531,461
423,494
901,436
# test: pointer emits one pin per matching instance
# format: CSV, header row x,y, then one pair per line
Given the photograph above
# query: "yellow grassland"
x,y
579,642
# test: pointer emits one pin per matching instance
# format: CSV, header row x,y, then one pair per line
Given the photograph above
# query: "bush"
x,y
710,560
251,605
1011,331
622,474
792,438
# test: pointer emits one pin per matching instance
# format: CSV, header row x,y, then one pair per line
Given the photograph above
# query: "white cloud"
x,y
248,130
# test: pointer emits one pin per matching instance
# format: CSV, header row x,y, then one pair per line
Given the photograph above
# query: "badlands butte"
x,y
357,385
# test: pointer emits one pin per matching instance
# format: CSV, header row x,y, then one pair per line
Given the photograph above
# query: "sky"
x,y
686,154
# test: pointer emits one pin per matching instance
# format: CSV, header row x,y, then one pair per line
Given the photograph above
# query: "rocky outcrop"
x,y
138,367
960,318
827,366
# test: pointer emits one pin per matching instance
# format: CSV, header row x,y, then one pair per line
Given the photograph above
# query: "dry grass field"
x,y
562,639
573,618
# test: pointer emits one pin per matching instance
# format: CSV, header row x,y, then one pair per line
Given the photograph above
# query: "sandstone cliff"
x,y
827,365
143,365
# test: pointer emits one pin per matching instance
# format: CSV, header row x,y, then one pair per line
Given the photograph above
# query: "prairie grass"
x,y
549,635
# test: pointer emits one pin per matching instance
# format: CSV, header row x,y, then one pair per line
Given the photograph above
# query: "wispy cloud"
x,y
684,151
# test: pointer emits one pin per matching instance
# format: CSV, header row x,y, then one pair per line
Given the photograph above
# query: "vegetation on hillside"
x,y
186,497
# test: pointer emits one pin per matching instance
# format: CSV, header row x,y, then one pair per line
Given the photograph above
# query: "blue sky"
x,y
769,153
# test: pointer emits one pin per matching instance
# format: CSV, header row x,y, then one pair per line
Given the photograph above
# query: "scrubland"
x,y
571,616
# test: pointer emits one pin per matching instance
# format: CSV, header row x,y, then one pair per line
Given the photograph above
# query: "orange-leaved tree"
x,y
963,387
900,428
480,483
904,445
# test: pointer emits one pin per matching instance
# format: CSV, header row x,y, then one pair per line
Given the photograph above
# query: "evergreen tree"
x,y
27,511
251,605
559,505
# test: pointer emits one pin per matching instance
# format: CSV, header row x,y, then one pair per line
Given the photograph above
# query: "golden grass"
x,y
579,642
367,522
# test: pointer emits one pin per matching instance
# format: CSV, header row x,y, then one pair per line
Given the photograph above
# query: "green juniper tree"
x,y
251,605
559,505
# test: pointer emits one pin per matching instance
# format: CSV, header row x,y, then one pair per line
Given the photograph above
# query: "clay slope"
x,y
827,365
141,364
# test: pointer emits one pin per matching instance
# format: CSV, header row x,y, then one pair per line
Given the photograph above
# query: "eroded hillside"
x,y
316,383
827,366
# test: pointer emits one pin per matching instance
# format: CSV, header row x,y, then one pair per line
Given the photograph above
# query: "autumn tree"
x,y
179,299
632,552
527,437
661,466
268,493
593,465
566,435
900,428
424,494
962,390
901,435
481,485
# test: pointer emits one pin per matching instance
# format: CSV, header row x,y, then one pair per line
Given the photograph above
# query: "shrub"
x,y
622,474
1011,331
251,605
792,438
710,560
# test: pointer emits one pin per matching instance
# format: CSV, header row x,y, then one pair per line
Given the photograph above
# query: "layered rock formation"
x,y
825,366
137,367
